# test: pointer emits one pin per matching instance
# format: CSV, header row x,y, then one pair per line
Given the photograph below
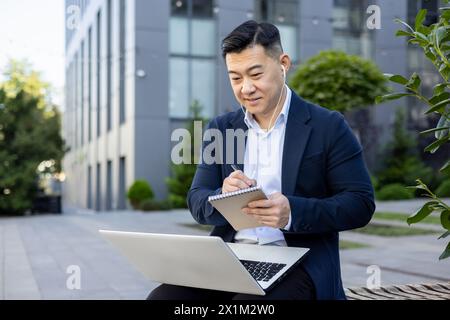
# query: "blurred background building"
x,y
133,68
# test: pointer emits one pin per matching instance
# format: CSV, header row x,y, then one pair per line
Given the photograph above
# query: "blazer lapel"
x,y
295,141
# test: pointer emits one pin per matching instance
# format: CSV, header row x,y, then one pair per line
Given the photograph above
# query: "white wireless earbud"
x,y
284,73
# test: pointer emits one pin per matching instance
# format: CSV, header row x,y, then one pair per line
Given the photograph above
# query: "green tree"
x,y
434,40
400,158
29,134
339,81
183,174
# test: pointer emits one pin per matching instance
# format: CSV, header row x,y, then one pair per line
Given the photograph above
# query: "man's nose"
x,y
247,87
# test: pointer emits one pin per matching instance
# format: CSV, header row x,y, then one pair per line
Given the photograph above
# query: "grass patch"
x,y
346,245
404,216
197,226
392,231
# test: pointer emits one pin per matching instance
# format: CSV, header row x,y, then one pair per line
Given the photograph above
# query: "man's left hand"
x,y
273,212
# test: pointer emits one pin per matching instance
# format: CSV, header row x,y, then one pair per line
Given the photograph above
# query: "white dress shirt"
x,y
263,162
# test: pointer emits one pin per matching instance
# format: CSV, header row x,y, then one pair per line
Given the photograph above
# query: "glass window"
x,y
109,66
350,32
288,36
179,38
203,37
99,73
351,45
203,85
202,8
122,60
283,14
179,7
279,11
178,95
193,48
90,62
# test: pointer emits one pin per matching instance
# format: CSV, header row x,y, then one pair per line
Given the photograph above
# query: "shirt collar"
x,y
251,122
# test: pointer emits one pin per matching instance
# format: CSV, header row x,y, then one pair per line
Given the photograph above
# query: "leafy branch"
x,y
435,43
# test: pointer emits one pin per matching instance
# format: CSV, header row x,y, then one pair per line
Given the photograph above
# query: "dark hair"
x,y
252,33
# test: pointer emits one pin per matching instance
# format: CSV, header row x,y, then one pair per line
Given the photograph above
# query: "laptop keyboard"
x,y
262,271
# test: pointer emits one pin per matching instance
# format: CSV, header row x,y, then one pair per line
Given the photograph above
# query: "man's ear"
x,y
285,61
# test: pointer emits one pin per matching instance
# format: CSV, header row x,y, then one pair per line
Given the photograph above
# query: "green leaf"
x,y
397,79
422,213
424,29
405,24
420,18
402,33
445,13
440,34
391,96
434,130
443,124
438,107
432,148
414,82
445,219
439,89
445,235
421,38
430,55
446,168
439,97
446,253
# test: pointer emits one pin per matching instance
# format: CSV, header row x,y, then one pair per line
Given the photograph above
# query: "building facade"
x,y
133,68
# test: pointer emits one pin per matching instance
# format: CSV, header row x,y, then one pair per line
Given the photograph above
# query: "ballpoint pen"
x,y
237,169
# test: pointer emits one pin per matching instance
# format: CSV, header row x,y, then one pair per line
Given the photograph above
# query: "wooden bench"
x,y
438,291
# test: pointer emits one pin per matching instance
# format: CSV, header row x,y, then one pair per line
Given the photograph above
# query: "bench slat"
x,y
437,288
444,285
412,291
388,295
430,292
409,296
363,294
435,291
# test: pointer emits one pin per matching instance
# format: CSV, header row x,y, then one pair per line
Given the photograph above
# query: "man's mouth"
x,y
252,101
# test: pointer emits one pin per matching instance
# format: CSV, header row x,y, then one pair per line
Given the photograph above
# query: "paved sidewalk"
x,y
36,251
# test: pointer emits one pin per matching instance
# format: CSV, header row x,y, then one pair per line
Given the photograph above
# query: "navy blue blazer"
x,y
323,176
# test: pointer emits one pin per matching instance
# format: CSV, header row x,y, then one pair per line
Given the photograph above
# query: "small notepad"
x,y
230,205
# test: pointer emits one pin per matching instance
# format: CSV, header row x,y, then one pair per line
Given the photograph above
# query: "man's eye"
x,y
256,74
235,79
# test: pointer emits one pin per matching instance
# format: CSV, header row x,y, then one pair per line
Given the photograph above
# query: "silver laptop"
x,y
206,262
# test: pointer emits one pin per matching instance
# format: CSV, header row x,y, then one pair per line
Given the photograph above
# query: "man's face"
x,y
257,79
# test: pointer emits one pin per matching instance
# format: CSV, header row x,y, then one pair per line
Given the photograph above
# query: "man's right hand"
x,y
237,180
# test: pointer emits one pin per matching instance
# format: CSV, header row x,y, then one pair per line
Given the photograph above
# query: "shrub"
x,y
375,182
139,191
394,191
444,189
338,81
183,174
154,205
401,162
